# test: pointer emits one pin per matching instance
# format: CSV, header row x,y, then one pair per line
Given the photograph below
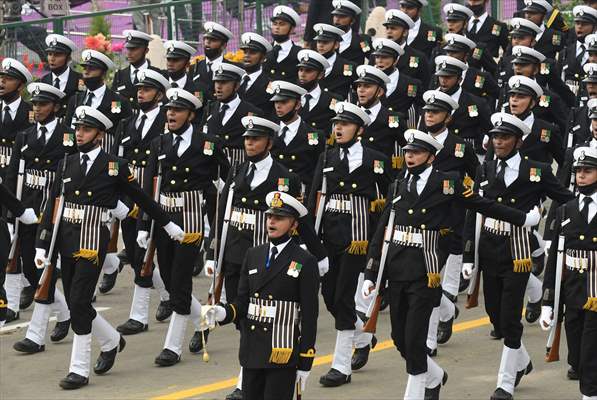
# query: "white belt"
x,y
171,201
4,160
78,214
258,311
579,263
407,237
240,217
338,205
497,225
35,180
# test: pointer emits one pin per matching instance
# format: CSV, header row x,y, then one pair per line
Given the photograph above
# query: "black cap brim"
x,y
282,212
418,146
94,63
14,74
59,49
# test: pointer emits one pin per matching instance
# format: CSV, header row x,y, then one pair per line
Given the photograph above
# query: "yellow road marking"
x,y
322,360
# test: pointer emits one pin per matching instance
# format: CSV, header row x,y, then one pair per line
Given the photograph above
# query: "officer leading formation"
x,y
398,168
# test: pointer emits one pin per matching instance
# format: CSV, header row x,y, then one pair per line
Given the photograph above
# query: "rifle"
x,y
215,282
553,341
13,255
43,289
218,275
374,307
147,268
472,295
322,194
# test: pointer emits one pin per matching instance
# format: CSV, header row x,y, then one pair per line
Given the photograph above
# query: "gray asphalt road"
x,y
470,358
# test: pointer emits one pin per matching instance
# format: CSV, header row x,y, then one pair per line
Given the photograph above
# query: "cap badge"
x,y
582,155
36,90
277,89
88,56
129,37
581,12
7,64
171,48
363,73
340,109
499,122
431,99
220,69
516,84
277,200
174,96
250,125
518,52
452,40
411,138
54,42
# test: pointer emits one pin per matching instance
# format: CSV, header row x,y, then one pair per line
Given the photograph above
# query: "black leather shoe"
x,y
26,297
11,315
538,264
572,374
431,353
236,394
124,259
433,393
495,334
334,378
451,297
361,355
198,266
501,394
167,358
108,282
463,285
164,311
105,361
444,331
73,381
28,346
533,311
60,331
131,327
196,343
522,373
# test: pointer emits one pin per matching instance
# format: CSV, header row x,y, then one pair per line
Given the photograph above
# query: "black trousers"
x,y
176,269
338,287
268,383
504,299
573,323
27,254
411,304
4,249
588,355
133,251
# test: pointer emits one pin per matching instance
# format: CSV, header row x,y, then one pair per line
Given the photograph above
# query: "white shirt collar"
x,y
331,61
50,126
481,19
456,95
280,247
315,95
99,92
346,41
233,104
215,63
266,163
134,69
181,82
593,143
253,77
285,48
592,205
151,115
13,106
374,111
530,120
413,32
63,78
92,156
187,135
390,87
293,126
513,162
441,137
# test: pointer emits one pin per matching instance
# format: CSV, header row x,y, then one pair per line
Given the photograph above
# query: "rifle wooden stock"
x,y
472,300
42,292
371,324
147,268
11,266
113,243
553,352
13,255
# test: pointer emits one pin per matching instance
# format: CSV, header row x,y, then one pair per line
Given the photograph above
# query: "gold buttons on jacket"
x,y
89,194
595,240
172,182
512,201
174,168
134,162
244,199
187,169
252,327
499,199
36,159
77,193
281,156
256,295
354,185
423,211
342,183
136,150
410,211
269,296
423,226
582,237
256,201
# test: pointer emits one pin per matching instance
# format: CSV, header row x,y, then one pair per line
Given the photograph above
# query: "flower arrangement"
x,y
99,43
234,56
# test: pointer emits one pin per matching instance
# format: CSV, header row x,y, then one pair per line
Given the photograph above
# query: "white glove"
x,y
11,231
546,318
209,268
174,231
215,314
368,289
220,313
324,266
28,217
301,378
533,218
142,239
467,270
547,246
40,258
121,211
485,142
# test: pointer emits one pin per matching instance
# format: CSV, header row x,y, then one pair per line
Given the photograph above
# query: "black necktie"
x,y
243,86
275,52
500,177
251,174
585,208
475,25
6,118
90,97
42,137
580,55
412,187
174,85
135,79
283,134
176,146
344,160
142,124
57,83
84,159
308,98
272,257
223,109
208,65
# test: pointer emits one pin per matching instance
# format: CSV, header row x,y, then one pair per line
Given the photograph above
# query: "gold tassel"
x,y
397,162
280,355
524,265
433,279
468,182
3,304
294,232
378,205
134,213
191,238
331,140
444,231
88,254
358,247
591,304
